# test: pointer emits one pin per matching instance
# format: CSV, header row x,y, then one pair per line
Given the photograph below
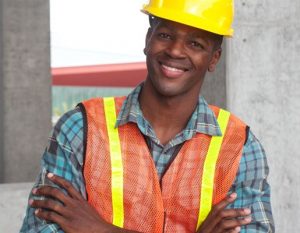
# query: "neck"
x,y
168,115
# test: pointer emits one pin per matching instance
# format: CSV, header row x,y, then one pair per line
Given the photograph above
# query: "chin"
x,y
169,90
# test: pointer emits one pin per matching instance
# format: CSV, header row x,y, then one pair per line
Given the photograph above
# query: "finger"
x,y
227,224
49,216
214,216
66,185
222,205
49,191
235,230
47,204
234,213
230,218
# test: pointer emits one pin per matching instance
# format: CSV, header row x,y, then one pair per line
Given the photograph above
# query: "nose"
x,y
176,49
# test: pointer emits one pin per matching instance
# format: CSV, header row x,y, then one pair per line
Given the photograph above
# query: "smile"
x,y
172,68
172,72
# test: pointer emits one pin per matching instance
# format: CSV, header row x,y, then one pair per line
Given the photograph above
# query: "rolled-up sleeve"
x,y
64,157
252,188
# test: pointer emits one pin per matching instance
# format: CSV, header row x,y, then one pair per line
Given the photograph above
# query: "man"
x,y
161,159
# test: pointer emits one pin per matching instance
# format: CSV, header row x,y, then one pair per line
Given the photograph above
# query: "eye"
x,y
163,35
197,45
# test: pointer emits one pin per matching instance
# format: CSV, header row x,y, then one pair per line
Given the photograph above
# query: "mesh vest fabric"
x,y
151,206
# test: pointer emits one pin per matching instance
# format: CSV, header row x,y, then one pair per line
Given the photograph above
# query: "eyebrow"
x,y
195,34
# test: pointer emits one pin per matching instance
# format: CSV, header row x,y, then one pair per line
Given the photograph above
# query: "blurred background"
x,y
92,33
56,53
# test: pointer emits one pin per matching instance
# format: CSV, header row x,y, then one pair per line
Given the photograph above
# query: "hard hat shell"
x,y
215,16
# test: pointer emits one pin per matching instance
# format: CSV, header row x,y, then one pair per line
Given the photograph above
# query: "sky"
x,y
91,32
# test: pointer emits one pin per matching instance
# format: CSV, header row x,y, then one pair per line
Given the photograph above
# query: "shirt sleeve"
x,y
64,157
252,188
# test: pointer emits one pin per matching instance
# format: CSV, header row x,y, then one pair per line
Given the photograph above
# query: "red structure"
x,y
111,75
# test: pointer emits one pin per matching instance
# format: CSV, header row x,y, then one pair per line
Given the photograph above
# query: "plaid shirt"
x,y
64,157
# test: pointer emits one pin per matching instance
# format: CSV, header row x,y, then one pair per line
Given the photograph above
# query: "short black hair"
x,y
153,20
218,41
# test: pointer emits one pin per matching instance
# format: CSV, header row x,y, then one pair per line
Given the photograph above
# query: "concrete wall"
x,y
13,202
263,87
25,87
1,95
214,86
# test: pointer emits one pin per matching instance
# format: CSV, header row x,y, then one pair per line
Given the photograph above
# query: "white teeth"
x,y
171,68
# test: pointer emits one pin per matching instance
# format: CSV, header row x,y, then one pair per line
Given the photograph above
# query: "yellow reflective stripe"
x,y
208,176
116,162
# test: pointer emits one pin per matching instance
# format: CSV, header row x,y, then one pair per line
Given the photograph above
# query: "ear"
x,y
215,58
148,36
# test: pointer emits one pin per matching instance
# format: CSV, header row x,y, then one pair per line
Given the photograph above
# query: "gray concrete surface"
x,y
1,94
214,86
13,202
263,88
25,87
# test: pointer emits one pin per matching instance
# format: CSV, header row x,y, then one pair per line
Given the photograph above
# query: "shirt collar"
x,y
203,119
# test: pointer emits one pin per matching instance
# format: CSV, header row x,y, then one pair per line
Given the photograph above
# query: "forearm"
x,y
69,209
259,203
31,223
252,188
60,159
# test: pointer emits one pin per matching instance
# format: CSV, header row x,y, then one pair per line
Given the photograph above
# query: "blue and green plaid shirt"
x,y
64,157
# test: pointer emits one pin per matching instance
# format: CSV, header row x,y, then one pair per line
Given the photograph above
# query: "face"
x,y
178,57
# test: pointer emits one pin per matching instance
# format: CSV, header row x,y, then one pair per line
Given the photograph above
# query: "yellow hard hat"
x,y
215,16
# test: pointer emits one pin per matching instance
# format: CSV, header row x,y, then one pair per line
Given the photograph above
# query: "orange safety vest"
x,y
122,182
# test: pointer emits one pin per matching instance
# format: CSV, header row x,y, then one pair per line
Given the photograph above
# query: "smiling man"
x,y
160,159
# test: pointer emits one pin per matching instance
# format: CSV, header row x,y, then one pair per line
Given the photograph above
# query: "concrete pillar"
x,y
25,87
263,88
214,86
13,202
1,95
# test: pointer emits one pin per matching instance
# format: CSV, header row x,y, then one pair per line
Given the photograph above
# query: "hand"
x,y
221,220
71,212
